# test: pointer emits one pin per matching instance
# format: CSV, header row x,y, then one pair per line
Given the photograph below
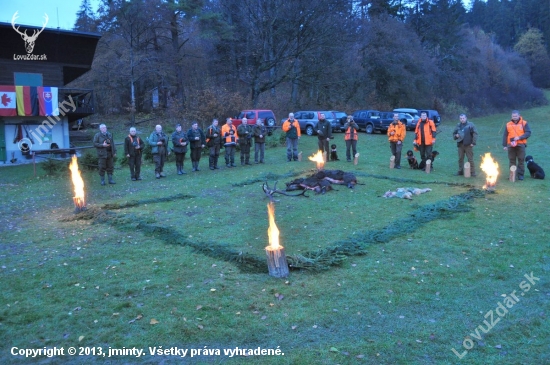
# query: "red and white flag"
x,y
8,101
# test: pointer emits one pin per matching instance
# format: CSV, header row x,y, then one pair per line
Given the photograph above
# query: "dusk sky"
x,y
61,13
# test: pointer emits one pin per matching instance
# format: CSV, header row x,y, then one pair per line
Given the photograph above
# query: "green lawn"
x,y
177,262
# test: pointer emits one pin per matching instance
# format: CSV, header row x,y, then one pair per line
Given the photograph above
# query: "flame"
x,y
319,158
490,168
78,183
272,231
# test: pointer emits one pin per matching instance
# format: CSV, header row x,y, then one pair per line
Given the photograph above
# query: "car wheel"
x,y
309,130
270,122
369,128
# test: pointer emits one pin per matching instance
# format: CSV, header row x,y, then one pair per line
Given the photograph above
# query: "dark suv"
x,y
253,115
433,115
367,119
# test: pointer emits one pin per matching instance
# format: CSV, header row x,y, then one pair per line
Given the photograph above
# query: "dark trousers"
x,y
245,151
135,165
158,159
259,148
323,146
396,151
214,151
292,149
351,144
105,164
425,153
467,150
180,157
229,154
196,154
516,156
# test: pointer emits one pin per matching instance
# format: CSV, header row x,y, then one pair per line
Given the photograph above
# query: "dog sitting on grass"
x,y
333,153
534,169
422,165
413,162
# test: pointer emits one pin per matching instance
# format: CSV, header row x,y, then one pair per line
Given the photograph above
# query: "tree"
x,y
85,18
532,47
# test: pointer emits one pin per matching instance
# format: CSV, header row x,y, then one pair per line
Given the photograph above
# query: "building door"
x,y
2,142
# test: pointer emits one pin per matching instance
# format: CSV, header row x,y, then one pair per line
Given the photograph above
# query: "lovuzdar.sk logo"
x,y
29,39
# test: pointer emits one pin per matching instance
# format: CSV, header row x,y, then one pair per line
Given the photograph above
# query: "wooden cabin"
x,y
45,106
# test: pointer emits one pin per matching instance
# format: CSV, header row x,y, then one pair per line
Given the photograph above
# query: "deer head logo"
x,y
29,40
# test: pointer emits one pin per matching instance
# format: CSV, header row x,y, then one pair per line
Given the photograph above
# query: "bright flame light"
x,y
490,168
272,231
78,184
319,159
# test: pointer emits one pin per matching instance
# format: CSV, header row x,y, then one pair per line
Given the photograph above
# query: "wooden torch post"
x,y
428,166
300,156
467,170
276,262
392,162
356,158
513,169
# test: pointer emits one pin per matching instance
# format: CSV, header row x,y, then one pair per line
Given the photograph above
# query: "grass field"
x,y
157,265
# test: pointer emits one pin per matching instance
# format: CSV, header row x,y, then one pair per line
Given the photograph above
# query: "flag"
x,y
47,100
7,101
27,100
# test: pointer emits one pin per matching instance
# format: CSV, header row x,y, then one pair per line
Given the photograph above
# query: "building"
x,y
35,67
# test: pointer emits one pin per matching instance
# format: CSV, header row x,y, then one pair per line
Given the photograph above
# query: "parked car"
x,y
414,113
253,115
367,119
341,119
433,115
308,120
386,118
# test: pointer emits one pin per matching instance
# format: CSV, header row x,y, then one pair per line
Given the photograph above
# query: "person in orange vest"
x,y
514,141
396,136
292,129
350,137
229,140
425,138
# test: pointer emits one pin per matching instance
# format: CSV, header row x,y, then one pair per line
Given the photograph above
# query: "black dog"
x,y
413,163
535,170
422,165
333,153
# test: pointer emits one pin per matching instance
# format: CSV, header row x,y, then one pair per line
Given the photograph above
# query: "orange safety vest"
x,y
351,134
516,130
399,130
429,132
232,138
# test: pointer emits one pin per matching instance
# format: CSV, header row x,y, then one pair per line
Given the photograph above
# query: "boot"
x,y
242,159
182,170
247,160
216,163
194,166
111,181
197,166
211,162
102,180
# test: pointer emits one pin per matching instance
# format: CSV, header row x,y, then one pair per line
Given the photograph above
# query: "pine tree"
x,y
85,19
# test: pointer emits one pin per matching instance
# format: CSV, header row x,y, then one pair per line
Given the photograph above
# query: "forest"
x,y
212,58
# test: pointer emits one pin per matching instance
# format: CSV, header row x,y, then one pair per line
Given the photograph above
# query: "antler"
x,y
35,34
13,18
